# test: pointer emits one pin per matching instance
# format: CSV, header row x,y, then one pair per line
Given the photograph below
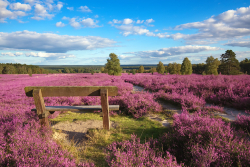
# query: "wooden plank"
x,y
52,91
41,111
78,108
105,108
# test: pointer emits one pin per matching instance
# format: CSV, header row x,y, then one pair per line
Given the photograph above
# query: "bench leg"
x,y
105,108
40,107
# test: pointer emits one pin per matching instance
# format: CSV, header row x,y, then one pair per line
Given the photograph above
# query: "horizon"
x,y
68,32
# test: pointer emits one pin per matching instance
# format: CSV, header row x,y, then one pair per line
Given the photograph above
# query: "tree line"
x,y
18,68
227,65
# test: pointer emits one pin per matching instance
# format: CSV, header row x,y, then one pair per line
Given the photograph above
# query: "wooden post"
x,y
105,108
40,107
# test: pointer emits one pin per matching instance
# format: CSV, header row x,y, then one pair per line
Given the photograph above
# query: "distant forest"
x,y
172,68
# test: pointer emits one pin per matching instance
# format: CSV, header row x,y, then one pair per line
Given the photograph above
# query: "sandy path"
x,y
231,112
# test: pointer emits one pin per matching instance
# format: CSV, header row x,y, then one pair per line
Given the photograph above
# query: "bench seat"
x,y
77,108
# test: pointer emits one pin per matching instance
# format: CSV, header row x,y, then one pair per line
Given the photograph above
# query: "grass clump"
x,y
93,148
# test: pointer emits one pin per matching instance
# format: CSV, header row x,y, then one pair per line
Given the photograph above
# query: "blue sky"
x,y
64,32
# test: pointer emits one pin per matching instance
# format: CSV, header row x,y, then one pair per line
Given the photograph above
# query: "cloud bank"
x,y
51,43
227,25
172,51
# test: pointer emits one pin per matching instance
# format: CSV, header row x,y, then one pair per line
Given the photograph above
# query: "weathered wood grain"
x,y
77,108
51,91
40,106
105,108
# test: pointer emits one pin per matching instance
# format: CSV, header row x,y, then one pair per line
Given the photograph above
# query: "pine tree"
x,y
186,67
113,65
160,68
229,64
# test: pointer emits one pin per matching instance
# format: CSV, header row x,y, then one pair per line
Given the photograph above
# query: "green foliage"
x,y
198,68
186,67
212,65
113,65
9,69
141,69
152,70
133,71
30,72
244,65
102,69
1,69
160,68
66,70
174,68
229,64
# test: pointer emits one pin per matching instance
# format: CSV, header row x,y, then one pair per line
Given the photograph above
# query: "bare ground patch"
x,y
77,130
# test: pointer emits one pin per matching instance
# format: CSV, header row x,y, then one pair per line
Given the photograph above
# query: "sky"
x,y
64,32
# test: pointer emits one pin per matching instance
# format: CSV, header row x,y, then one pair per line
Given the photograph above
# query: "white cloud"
x,y
240,44
115,21
4,13
12,54
89,23
127,21
148,21
41,13
96,16
156,30
138,30
139,21
60,24
70,8
51,43
84,9
74,23
19,6
165,52
127,28
125,57
59,5
130,29
65,18
29,1
50,56
227,25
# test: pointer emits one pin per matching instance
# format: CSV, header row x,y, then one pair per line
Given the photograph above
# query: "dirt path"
x,y
231,112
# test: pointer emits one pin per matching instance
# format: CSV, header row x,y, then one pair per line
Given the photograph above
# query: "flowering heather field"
x,y
195,140
194,90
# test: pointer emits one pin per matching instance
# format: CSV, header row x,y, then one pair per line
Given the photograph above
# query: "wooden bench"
x,y
52,91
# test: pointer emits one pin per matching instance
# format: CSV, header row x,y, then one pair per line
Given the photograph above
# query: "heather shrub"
x,y
231,90
243,122
186,100
136,104
199,140
18,148
133,153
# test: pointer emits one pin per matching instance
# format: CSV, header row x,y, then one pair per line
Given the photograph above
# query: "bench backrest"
x,y
51,91
38,92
